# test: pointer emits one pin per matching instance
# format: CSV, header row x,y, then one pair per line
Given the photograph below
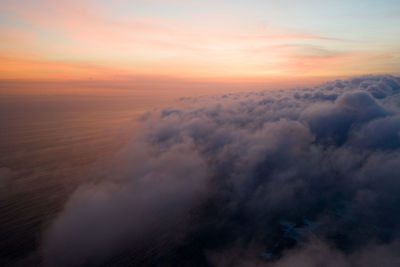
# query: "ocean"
x,y
49,144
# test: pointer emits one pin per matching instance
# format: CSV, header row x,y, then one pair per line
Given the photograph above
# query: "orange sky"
x,y
247,43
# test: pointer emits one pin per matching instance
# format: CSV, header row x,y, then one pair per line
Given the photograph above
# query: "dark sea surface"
x,y
48,145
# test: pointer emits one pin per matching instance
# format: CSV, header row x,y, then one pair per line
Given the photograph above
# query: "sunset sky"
x,y
200,133
207,41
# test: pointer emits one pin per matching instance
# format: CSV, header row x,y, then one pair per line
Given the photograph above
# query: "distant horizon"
x,y
218,42
158,84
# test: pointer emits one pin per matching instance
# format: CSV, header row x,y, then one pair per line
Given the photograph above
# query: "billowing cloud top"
x,y
301,177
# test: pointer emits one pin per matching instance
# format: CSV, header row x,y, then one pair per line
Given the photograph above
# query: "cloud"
x,y
333,121
306,176
106,218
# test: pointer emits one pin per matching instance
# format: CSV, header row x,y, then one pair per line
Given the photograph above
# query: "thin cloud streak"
x,y
86,33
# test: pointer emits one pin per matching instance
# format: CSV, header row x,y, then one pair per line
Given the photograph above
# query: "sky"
x,y
216,41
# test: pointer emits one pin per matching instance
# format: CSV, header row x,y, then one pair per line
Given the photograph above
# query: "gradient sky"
x,y
207,40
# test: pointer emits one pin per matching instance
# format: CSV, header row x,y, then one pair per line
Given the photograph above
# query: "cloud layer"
x,y
305,177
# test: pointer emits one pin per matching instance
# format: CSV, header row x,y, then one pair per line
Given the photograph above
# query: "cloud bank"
x,y
300,177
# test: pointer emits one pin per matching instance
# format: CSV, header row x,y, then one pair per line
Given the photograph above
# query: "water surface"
x,y
48,146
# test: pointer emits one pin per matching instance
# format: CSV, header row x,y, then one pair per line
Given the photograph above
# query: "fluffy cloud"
x,y
307,176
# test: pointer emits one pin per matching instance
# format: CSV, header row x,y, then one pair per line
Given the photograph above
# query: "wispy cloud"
x,y
174,46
